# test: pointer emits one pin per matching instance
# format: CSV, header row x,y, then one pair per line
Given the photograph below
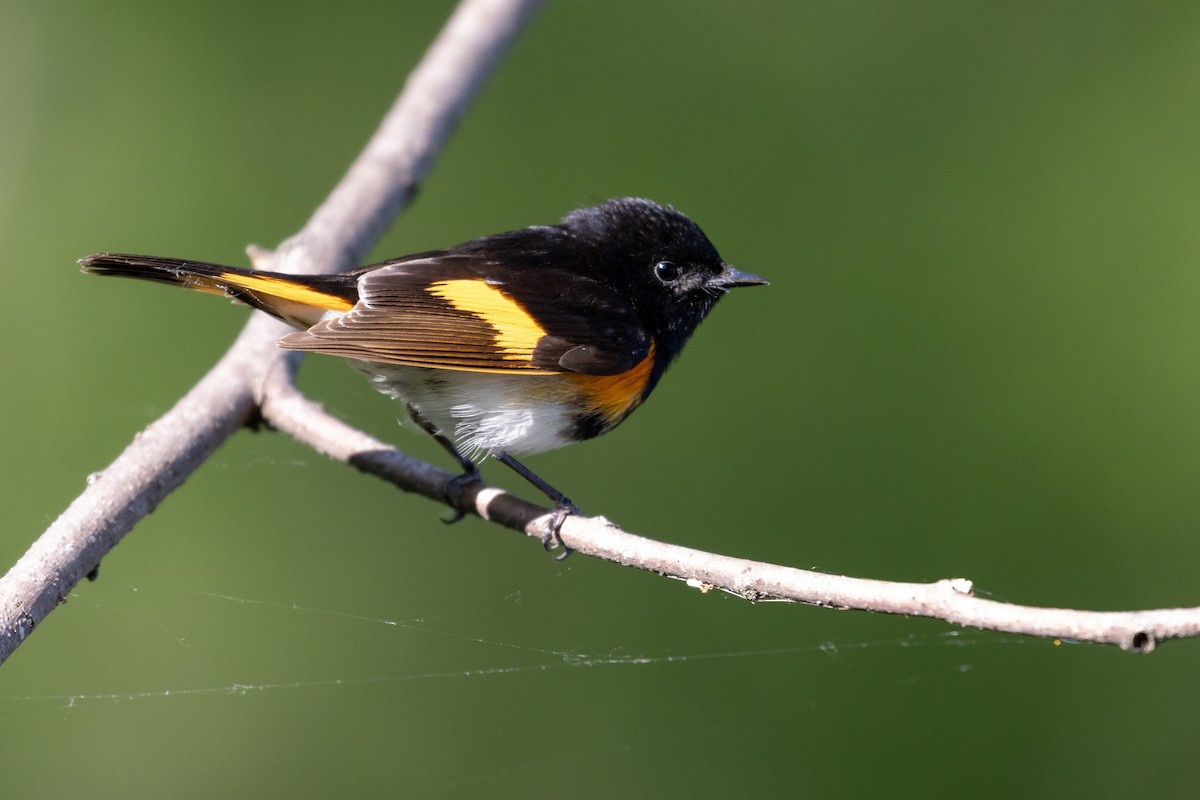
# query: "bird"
x,y
509,344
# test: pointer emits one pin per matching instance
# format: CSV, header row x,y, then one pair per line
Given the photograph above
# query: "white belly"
x,y
482,412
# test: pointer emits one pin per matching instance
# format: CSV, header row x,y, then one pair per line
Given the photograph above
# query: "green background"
x,y
977,358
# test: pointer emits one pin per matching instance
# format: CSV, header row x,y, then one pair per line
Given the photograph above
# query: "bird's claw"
x,y
551,538
454,493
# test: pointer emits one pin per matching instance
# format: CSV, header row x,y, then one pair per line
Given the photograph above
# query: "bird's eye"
x,y
666,272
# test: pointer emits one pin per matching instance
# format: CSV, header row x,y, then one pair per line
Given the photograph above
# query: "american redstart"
x,y
515,343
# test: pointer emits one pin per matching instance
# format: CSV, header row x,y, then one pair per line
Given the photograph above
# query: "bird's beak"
x,y
730,277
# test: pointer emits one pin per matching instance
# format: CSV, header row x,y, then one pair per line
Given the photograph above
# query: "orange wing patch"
x,y
516,333
284,290
615,396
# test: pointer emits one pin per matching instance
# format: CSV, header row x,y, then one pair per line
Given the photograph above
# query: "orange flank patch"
x,y
286,290
615,396
516,333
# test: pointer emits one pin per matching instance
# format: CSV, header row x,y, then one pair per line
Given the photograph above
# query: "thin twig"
x,y
951,600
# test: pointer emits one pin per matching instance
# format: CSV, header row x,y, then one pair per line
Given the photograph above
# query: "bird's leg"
x,y
562,505
470,470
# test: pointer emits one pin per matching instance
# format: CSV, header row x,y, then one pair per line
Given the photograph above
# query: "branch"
x,y
375,189
385,176
255,380
950,600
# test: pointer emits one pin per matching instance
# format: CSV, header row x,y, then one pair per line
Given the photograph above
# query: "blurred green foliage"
x,y
977,358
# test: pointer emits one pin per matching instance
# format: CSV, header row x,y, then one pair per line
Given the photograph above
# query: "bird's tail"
x,y
300,300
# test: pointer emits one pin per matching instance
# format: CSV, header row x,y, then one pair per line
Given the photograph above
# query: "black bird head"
x,y
662,259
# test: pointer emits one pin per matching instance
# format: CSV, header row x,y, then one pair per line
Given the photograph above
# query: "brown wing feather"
x,y
439,311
